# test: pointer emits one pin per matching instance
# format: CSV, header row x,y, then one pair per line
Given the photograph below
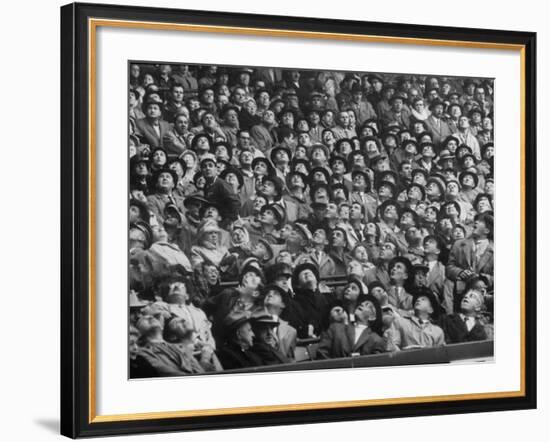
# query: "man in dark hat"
x,y
165,181
219,192
152,129
338,166
298,240
296,183
438,127
400,272
469,181
236,351
360,338
266,342
271,221
338,250
375,83
419,329
244,297
436,279
175,102
398,112
361,182
276,301
473,256
388,251
315,305
280,158
388,216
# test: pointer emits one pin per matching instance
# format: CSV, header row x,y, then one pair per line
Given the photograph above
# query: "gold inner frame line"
x,y
93,24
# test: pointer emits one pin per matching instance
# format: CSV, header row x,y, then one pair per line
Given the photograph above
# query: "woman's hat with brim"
x,y
189,152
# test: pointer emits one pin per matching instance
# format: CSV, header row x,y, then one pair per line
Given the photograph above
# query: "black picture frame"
x,y
75,216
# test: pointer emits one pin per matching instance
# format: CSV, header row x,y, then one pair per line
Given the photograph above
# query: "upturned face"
x,y
398,272
423,305
307,279
209,169
238,236
366,311
159,158
273,299
177,292
338,239
471,301
165,181
351,292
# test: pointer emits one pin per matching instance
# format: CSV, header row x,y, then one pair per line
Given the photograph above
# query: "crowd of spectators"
x,y
271,209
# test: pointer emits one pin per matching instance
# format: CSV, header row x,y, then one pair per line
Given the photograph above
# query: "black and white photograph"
x,y
282,219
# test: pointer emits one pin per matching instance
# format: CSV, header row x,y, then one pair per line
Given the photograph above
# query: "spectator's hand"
x,y
206,353
310,331
465,274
